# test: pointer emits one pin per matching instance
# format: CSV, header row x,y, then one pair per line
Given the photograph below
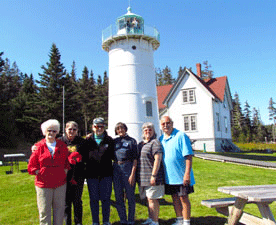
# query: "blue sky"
x,y
238,38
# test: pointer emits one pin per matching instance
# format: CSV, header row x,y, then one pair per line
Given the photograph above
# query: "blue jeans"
x,y
121,174
100,190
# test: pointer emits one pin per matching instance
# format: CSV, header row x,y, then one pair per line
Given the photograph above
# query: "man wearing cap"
x,y
99,170
179,178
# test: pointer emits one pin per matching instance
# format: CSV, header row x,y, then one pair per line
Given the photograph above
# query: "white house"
x,y
201,107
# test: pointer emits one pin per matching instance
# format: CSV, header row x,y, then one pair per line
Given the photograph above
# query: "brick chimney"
x,y
198,70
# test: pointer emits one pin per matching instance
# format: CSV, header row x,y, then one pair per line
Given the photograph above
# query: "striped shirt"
x,y
146,161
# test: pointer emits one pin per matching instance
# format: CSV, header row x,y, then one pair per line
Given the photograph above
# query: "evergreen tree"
x,y
237,120
259,132
2,62
159,77
71,100
181,71
105,96
207,72
272,116
167,76
24,107
10,84
51,85
86,98
247,128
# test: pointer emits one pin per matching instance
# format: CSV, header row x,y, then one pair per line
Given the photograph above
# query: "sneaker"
x,y
95,224
178,222
106,223
148,221
154,223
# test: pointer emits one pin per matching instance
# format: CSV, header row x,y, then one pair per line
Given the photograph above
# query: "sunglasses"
x,y
53,131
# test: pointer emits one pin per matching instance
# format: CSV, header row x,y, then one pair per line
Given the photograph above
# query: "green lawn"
x,y
18,198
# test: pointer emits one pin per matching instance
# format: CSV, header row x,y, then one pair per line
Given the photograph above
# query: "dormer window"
x,y
188,95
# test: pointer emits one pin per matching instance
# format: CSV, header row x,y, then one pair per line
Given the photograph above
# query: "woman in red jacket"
x,y
50,165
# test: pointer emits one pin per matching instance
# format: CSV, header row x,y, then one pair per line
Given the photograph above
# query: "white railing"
x,y
113,31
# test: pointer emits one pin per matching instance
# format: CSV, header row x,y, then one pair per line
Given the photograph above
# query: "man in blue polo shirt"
x,y
179,176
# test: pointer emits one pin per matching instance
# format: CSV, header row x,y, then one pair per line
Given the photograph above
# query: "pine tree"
x,y
86,98
259,132
2,62
207,72
24,106
51,85
237,120
10,84
71,100
167,76
105,96
181,71
247,128
272,116
158,77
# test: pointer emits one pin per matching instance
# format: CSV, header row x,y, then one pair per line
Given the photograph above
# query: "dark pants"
x,y
73,196
100,190
121,186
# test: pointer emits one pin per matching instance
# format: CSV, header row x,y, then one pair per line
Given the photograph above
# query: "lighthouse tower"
x,y
132,86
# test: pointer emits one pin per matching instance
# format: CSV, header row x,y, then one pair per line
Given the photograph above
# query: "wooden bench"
x,y
223,206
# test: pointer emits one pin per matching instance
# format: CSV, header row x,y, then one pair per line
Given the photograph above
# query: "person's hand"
x,y
187,179
89,135
153,181
34,148
131,180
37,172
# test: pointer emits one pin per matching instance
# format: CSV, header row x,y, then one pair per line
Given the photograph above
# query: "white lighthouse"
x,y
132,86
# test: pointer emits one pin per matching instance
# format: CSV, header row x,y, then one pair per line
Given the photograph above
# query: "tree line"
x,y
246,124
25,103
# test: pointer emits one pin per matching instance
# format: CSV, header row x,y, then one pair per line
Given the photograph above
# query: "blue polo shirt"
x,y
176,147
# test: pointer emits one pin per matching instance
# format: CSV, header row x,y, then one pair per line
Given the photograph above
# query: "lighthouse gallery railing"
x,y
113,31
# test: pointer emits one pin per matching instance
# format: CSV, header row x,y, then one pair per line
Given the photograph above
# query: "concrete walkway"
x,y
248,162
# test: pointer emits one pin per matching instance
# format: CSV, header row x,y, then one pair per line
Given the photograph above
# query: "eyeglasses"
x,y
72,129
98,126
148,129
53,131
165,123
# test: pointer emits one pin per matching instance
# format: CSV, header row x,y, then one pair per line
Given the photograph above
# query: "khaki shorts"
x,y
152,192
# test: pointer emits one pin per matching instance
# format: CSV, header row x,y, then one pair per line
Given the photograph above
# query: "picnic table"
x,y
13,160
261,195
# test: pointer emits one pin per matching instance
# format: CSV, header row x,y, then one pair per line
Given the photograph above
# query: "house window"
x,y
218,123
190,123
226,124
188,96
148,108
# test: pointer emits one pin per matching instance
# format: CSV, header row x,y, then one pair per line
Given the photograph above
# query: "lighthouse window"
x,y
134,47
148,108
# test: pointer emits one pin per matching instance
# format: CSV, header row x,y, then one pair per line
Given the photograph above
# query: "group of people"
x,y
159,165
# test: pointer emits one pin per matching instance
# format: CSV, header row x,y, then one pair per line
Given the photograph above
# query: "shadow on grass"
x,y
208,220
143,201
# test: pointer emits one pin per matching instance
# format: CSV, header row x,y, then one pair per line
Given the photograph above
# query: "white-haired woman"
x,y
49,163
150,172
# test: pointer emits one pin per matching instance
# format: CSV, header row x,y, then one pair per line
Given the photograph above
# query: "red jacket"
x,y
51,169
